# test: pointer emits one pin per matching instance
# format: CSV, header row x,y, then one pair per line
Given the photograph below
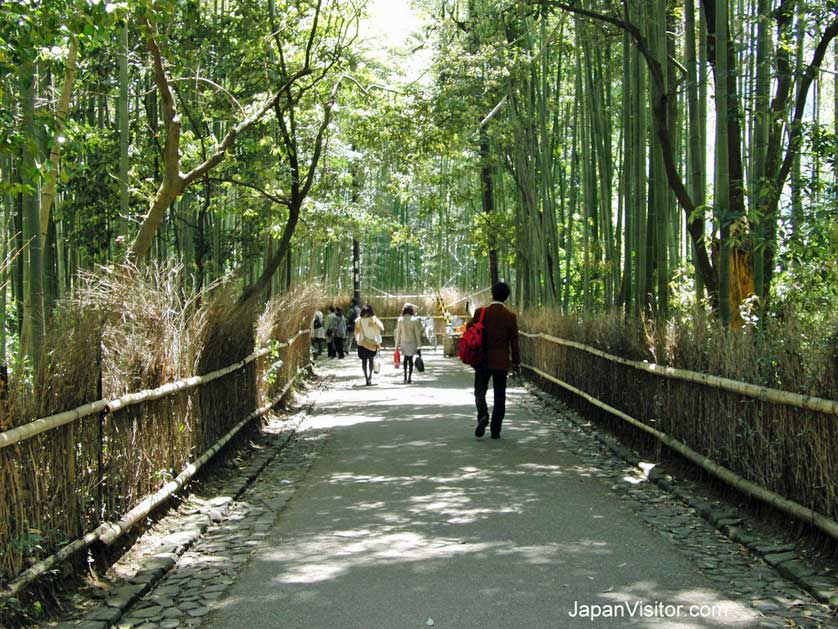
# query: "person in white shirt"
x,y
408,340
318,333
368,329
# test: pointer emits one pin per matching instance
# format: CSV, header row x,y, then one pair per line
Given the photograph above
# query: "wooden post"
x,y
356,270
100,462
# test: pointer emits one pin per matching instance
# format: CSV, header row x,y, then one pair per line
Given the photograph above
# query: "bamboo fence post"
x,y
100,451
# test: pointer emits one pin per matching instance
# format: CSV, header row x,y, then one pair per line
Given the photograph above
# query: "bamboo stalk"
x,y
765,394
43,424
108,532
798,511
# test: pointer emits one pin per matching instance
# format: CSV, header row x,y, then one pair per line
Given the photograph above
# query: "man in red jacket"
x,y
499,340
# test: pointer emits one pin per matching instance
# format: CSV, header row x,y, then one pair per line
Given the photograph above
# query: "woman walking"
x,y
368,331
340,332
318,334
408,340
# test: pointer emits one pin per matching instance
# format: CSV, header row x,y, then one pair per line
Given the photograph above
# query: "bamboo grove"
x,y
643,155
638,161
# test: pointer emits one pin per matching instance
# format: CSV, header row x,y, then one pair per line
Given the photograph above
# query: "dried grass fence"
x,y
786,443
388,307
62,478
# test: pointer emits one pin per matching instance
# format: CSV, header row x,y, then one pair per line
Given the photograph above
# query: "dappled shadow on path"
x,y
406,515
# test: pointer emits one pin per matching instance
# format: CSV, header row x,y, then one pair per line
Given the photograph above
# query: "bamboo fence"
x,y
103,466
777,446
765,394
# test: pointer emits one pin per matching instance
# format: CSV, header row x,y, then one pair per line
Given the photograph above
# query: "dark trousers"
x,y
481,386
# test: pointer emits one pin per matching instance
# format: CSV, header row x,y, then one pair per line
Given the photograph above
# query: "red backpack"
x,y
470,350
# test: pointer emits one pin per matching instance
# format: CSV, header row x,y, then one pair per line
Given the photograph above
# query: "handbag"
x,y
419,364
397,359
376,364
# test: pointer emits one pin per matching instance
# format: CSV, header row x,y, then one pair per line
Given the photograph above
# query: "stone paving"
x,y
189,556
743,576
232,529
202,574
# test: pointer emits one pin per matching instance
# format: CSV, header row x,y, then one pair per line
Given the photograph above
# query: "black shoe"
x,y
482,422
495,435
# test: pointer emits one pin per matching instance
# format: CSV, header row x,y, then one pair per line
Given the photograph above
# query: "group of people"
x,y
501,353
335,331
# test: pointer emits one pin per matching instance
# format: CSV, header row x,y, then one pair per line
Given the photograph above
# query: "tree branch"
x,y
796,131
280,200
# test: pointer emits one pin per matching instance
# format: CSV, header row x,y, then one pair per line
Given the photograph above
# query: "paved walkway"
x,y
405,519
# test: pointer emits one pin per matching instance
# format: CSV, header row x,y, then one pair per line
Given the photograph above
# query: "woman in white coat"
x,y
408,340
368,329
318,333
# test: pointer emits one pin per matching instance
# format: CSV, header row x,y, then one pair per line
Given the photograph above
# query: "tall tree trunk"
x,y
124,133
627,181
762,122
797,216
8,210
695,145
723,140
34,298
356,270
61,113
488,198
19,284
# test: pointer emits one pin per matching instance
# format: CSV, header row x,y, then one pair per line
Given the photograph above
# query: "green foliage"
x,y
90,171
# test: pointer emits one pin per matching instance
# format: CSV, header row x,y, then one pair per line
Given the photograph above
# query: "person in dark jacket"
x,y
501,353
331,323
351,317
339,337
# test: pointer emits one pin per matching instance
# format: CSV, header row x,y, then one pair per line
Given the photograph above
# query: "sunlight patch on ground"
x,y
332,556
454,506
538,469
553,552
322,422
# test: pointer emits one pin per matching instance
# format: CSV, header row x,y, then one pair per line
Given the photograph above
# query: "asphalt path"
x,y
405,519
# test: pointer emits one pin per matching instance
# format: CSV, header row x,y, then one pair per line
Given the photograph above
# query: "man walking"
x,y
499,340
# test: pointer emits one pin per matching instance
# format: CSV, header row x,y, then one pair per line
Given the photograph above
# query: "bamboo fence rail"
x,y
35,427
798,511
115,525
109,532
765,394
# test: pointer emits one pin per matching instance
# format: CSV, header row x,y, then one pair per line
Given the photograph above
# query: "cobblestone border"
x,y
781,557
185,531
